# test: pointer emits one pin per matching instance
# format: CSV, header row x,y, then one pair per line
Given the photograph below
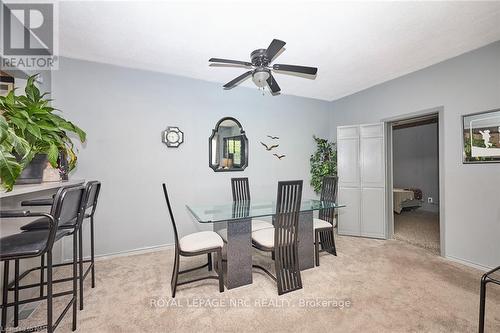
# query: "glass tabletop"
x,y
249,209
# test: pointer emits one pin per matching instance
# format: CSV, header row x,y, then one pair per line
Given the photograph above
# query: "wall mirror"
x,y
228,146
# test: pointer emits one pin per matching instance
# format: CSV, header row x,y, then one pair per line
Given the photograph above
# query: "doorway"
x,y
414,160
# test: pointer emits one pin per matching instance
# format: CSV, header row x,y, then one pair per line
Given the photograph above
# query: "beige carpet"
x,y
419,228
391,286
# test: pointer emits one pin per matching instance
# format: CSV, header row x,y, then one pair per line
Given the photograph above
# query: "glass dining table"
x,y
232,221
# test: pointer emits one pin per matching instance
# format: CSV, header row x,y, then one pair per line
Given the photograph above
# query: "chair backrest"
x,y
286,235
241,189
93,188
89,202
171,216
67,207
328,193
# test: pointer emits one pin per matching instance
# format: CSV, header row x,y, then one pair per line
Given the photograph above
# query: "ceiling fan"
x,y
261,62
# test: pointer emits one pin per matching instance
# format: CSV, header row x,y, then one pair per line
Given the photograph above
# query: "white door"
x,y
361,171
349,218
349,180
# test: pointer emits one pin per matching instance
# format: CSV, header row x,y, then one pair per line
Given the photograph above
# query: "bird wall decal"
x,y
279,156
269,147
273,137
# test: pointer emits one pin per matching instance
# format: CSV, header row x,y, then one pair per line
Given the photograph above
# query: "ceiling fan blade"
x,y
273,49
228,61
296,69
273,85
232,83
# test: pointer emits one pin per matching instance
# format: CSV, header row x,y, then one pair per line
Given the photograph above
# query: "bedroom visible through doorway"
x,y
415,167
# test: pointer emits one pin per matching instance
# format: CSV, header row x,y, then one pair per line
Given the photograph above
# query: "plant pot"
x,y
33,173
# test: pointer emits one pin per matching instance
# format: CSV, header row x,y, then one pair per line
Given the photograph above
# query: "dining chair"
x,y
38,243
241,192
283,238
198,243
326,222
92,190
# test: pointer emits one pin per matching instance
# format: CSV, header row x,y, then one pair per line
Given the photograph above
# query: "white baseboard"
x,y
468,263
142,250
156,248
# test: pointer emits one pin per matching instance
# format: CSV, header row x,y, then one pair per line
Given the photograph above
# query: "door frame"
x,y
439,111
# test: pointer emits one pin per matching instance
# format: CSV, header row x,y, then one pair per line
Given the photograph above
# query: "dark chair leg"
x,y
92,250
80,263
50,327
5,294
75,284
334,249
316,247
220,270
175,274
209,255
42,273
16,293
482,303
272,255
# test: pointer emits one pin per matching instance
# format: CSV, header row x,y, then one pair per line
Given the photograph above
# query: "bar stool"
x,y
92,190
493,276
30,244
283,238
324,225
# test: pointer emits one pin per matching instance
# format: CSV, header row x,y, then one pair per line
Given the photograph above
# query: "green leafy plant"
x,y
30,117
10,167
323,162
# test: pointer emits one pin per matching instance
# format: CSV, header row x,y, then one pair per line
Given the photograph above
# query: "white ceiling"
x,y
355,45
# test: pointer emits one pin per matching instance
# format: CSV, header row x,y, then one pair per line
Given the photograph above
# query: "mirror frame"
x,y
244,137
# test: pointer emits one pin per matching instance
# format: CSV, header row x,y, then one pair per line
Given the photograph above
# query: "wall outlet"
x,y
430,200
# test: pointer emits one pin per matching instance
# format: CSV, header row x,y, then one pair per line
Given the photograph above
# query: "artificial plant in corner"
x,y
30,117
323,162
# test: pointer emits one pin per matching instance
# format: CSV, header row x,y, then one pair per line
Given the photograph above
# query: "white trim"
x,y
468,263
439,111
142,250
126,253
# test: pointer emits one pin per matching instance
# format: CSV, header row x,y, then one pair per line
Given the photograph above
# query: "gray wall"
x,y
465,84
124,111
415,161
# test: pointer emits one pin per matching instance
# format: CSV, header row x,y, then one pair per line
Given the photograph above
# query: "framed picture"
x,y
6,83
481,137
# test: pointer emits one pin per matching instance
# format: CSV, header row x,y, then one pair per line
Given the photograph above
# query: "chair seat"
x,y
27,244
260,224
200,241
43,223
319,224
264,237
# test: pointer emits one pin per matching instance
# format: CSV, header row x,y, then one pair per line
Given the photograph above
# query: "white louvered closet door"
x,y
361,171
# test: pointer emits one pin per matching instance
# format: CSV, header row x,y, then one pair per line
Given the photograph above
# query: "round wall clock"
x,y
173,137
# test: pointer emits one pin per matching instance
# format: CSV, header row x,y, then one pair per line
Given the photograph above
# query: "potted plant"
x,y
323,162
44,134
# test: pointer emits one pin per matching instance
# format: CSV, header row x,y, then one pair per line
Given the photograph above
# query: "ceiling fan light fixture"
x,y
261,74
259,77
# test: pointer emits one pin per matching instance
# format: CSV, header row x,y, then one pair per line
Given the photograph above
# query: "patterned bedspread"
x,y
401,195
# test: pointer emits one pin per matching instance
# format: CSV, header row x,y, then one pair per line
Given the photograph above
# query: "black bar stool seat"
x,y
27,244
43,223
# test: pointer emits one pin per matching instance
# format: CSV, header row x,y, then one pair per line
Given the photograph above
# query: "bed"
x,y
406,198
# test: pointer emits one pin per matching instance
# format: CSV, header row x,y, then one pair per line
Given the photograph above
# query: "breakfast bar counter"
x,y
33,188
